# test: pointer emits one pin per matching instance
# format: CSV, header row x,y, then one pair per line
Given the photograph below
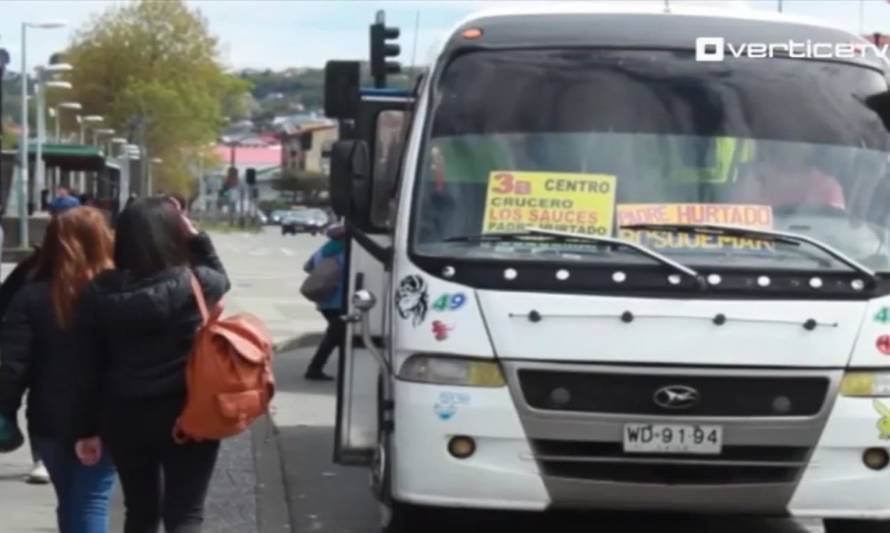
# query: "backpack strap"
x,y
199,297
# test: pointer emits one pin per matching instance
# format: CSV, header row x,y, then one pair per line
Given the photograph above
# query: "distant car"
x,y
278,215
312,221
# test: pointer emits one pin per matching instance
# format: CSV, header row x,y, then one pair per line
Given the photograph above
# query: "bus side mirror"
x,y
350,179
341,89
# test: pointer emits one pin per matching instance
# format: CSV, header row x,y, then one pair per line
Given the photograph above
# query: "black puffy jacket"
x,y
39,357
136,334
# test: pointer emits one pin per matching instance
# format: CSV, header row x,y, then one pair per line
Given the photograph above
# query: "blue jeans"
x,y
84,492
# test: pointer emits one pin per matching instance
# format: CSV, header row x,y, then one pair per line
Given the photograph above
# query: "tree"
x,y
151,68
239,106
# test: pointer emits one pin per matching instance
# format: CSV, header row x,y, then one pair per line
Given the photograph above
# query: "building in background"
x,y
265,159
306,141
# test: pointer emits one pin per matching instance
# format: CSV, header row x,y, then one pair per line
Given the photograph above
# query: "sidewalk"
x,y
26,508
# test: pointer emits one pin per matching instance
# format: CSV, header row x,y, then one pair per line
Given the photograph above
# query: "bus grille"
x,y
723,396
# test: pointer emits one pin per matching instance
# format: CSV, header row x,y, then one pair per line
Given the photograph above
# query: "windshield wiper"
x,y
783,237
535,234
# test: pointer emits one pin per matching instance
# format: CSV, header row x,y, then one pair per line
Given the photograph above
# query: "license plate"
x,y
671,438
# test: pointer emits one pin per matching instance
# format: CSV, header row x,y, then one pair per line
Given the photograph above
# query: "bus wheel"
x,y
856,526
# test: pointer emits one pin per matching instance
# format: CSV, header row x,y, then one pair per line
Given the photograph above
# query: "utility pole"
x,y
4,60
22,189
145,162
137,128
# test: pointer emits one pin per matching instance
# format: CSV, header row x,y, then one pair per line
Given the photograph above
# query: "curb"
x,y
272,492
272,509
302,341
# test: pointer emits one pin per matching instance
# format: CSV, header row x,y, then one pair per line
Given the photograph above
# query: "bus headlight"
x,y
448,370
866,384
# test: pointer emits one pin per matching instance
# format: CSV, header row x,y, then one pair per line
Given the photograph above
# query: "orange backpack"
x,y
229,375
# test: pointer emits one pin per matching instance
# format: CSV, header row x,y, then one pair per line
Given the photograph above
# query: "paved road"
x,y
266,273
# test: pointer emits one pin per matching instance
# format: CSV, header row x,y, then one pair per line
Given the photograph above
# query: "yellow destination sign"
x,y
576,203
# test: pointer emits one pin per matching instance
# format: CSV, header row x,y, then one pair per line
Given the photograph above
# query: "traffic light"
x,y
250,176
381,50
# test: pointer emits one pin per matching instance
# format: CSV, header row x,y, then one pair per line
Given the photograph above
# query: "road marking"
x,y
288,252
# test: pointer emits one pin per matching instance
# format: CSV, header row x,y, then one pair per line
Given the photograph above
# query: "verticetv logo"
x,y
716,49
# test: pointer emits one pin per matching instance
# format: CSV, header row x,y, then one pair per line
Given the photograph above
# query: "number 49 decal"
x,y
883,315
450,302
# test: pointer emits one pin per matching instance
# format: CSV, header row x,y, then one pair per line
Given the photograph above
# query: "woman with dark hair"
x,y
38,356
139,324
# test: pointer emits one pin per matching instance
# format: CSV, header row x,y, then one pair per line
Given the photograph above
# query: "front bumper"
x,y
500,475
836,483
533,459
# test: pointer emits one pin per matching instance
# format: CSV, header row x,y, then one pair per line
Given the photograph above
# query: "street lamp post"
x,y
97,134
116,141
56,112
23,163
101,132
132,153
119,147
85,120
4,60
42,85
73,106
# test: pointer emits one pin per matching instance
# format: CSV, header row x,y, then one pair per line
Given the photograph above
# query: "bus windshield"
x,y
596,141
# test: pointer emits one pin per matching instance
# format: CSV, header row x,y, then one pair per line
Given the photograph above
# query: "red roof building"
x,y
260,158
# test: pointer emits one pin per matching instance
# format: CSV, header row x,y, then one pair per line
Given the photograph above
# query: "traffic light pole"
x,y
381,50
241,188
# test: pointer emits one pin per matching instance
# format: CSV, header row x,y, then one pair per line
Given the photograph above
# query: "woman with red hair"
x,y
38,355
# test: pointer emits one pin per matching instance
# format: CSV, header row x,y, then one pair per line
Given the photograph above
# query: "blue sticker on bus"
x,y
448,404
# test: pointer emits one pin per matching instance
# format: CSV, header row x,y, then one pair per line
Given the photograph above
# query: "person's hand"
x,y
189,226
89,451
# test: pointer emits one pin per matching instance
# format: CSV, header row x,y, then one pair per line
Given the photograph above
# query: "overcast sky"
x,y
290,33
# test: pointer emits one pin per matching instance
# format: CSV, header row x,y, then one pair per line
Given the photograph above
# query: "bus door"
x,y
382,122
